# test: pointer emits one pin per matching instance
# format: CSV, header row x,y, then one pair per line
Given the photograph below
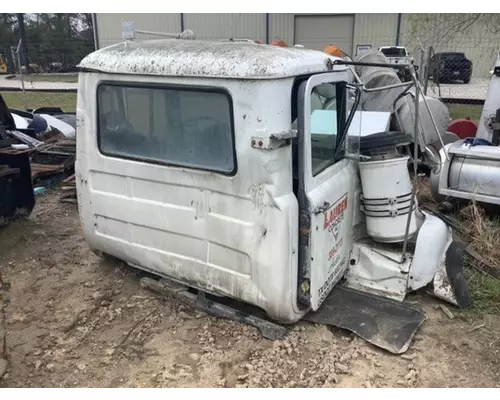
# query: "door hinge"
x,y
322,209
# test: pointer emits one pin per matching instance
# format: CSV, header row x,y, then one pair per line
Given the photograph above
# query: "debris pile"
x,y
68,190
37,152
53,162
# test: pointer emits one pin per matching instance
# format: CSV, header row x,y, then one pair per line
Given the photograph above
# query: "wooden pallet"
x,y
68,188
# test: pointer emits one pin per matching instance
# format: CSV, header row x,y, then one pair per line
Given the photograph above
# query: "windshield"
x,y
394,52
453,56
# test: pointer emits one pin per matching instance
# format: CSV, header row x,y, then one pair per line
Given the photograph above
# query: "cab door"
x,y
326,185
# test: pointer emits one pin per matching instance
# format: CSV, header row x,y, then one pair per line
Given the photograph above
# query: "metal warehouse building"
x,y
351,32
311,31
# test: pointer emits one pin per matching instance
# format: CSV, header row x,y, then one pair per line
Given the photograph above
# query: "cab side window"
x,y
331,104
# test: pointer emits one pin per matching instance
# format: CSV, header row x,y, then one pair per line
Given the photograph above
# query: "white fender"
x,y
433,240
20,122
66,129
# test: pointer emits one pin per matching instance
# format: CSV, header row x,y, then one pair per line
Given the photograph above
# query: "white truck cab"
x,y
225,166
185,166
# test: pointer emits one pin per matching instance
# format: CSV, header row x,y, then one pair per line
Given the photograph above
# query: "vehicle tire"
x,y
467,80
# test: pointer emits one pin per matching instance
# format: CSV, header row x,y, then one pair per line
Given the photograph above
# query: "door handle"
x,y
322,209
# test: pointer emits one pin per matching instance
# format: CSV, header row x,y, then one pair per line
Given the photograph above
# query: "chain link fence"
x,y
457,79
458,75
46,80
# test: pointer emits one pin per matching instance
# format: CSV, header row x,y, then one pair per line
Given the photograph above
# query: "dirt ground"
x,y
74,320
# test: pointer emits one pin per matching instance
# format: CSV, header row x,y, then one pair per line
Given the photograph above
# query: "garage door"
x,y
318,31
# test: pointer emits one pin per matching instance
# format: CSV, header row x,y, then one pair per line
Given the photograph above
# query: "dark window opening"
x,y
187,127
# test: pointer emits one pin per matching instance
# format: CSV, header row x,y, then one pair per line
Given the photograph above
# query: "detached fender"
x,y
433,240
439,259
454,279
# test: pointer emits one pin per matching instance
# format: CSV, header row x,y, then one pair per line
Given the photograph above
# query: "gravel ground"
x,y
75,320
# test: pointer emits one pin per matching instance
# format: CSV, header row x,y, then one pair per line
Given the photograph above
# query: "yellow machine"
x,y
3,66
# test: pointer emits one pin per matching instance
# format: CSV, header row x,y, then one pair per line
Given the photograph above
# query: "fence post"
x,y
426,80
19,64
422,69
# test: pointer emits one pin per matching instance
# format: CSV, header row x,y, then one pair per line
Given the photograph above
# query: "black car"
x,y
447,67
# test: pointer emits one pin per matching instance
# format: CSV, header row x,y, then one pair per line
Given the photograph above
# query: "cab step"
x,y
199,301
386,323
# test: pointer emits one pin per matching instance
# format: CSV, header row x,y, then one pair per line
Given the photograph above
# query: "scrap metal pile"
x,y
463,159
68,189
37,151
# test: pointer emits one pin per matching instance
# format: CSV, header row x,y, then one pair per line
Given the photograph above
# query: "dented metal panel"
x,y
235,236
173,57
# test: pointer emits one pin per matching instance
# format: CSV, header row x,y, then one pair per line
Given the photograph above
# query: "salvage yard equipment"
x,y
16,190
32,154
56,159
254,172
469,169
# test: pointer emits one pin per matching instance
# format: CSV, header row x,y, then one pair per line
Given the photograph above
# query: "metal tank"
x,y
405,117
472,172
375,77
403,108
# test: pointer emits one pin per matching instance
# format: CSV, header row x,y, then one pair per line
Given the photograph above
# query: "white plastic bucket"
x,y
387,193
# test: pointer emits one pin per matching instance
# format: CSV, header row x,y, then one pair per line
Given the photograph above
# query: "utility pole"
x,y
22,36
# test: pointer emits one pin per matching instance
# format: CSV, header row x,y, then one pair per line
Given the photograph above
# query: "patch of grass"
x,y
65,100
472,111
69,78
483,233
423,190
484,290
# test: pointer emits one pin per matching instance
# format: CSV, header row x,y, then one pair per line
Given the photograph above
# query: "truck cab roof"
x,y
195,58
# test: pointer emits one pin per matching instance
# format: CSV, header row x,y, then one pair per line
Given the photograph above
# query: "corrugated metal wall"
x,y
225,26
281,27
109,26
375,29
315,31
369,29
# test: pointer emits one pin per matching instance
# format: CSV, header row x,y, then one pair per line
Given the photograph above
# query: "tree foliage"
x,y
50,38
441,29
